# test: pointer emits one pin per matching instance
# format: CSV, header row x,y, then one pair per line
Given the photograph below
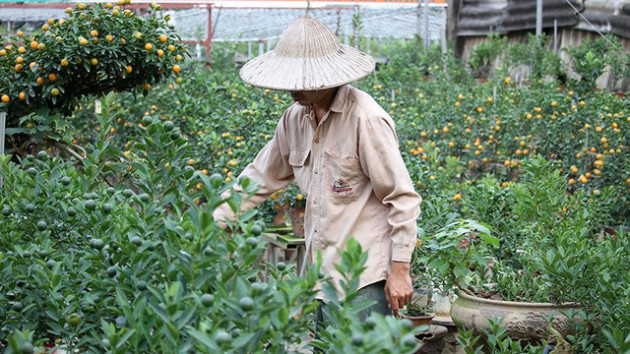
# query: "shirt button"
x,y
316,141
316,172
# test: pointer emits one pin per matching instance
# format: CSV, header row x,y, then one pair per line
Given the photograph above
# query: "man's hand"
x,y
398,288
222,224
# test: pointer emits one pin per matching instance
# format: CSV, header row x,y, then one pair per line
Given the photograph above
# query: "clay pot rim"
x,y
432,315
466,294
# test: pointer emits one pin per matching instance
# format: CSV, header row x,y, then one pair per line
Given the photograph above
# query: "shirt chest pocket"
x,y
299,161
343,177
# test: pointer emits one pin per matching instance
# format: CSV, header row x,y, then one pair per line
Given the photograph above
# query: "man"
x,y
341,148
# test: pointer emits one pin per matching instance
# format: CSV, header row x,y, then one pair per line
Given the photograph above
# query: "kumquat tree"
x,y
94,50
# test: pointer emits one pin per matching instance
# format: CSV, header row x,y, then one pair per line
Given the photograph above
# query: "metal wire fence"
x,y
260,27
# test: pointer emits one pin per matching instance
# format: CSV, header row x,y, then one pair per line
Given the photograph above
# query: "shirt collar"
x,y
339,102
337,105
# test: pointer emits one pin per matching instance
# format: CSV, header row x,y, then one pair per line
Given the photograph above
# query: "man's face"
x,y
307,98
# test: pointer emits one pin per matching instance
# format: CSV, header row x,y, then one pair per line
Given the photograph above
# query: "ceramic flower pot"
x,y
527,321
418,321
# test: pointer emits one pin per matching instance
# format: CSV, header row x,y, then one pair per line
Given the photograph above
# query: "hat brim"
x,y
276,72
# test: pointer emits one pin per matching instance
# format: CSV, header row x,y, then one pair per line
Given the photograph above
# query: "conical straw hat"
x,y
308,57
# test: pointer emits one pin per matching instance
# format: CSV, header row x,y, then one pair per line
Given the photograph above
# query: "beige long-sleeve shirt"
x,y
353,174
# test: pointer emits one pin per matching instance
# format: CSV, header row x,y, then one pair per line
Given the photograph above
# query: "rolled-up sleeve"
x,y
270,171
382,162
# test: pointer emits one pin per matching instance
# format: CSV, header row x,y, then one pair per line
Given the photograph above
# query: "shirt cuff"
x,y
223,212
402,253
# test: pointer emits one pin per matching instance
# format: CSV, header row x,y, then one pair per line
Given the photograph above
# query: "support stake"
x,y
3,119
539,17
427,40
555,35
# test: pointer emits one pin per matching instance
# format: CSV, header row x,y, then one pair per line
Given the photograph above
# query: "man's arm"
x,y
382,163
270,170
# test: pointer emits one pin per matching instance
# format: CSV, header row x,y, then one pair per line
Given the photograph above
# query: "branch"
x,y
16,150
22,148
67,149
108,182
80,148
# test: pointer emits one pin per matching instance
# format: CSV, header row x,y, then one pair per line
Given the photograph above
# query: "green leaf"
x,y
243,340
330,292
203,339
492,240
185,317
13,131
125,337
160,312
